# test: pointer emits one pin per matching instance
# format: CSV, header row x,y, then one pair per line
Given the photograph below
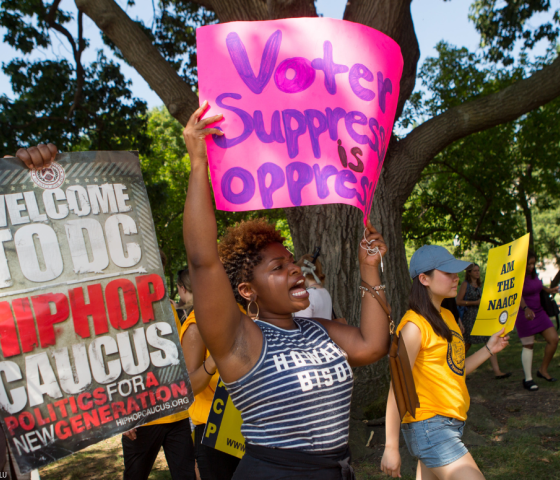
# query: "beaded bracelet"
x,y
377,288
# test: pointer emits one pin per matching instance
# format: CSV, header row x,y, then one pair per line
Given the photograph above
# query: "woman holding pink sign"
x,y
290,377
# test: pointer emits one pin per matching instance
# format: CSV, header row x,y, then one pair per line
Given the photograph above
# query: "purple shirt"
x,y
531,294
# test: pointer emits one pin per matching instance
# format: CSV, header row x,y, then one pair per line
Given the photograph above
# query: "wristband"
x,y
490,351
524,308
204,366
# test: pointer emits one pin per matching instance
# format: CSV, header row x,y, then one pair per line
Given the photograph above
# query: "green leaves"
x,y
173,32
107,118
486,187
502,24
61,100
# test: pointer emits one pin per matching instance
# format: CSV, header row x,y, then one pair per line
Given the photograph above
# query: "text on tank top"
x,y
298,394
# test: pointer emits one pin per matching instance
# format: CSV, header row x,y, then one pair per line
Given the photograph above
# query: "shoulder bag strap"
x,y
401,371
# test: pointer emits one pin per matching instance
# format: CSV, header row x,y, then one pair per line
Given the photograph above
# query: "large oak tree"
x,y
337,228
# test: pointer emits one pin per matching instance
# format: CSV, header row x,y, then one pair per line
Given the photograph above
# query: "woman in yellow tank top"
x,y
436,351
204,376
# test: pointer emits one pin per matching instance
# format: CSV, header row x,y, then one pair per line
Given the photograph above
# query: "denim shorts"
x,y
435,441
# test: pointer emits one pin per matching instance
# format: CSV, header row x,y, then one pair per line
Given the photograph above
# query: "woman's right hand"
x,y
195,134
391,462
131,434
529,314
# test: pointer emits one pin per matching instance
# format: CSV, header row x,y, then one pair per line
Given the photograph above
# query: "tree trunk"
x,y
524,204
338,229
386,216
334,228
141,54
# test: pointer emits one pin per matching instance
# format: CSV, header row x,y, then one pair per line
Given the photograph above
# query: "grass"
x,y
511,433
103,460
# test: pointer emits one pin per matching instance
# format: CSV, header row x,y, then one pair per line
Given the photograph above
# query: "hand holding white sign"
x,y
36,158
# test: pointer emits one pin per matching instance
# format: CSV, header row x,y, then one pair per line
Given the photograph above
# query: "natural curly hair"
x,y
240,250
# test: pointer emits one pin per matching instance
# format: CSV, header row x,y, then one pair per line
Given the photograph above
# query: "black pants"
x,y
176,440
262,463
212,464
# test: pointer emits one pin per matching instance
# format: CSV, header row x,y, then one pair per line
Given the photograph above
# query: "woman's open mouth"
x,y
298,290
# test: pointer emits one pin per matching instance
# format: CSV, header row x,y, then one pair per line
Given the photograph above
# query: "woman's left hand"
x,y
497,343
374,239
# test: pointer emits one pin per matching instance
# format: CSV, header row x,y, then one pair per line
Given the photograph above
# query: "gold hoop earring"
x,y
254,316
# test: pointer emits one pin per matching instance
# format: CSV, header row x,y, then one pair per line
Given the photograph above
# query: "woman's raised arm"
x,y
370,342
218,318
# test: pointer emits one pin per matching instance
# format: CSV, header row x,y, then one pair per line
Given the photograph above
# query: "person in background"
x,y
203,374
469,297
320,302
185,305
437,356
531,320
141,445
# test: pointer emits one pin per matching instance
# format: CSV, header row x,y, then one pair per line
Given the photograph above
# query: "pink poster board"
x,y
308,105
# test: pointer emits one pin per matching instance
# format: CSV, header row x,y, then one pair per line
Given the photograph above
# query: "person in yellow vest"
x,y
141,445
203,374
436,352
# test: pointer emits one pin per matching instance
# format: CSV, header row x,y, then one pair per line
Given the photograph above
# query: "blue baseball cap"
x,y
430,257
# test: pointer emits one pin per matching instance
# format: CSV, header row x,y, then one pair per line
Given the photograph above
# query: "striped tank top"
x,y
298,394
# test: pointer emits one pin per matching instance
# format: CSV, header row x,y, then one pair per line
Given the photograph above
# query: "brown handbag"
x,y
401,372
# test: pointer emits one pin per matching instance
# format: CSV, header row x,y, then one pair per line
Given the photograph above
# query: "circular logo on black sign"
x,y
503,317
49,178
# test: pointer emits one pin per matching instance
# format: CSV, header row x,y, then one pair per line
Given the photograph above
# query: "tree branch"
x,y
481,217
393,18
464,177
139,51
486,238
59,28
291,8
80,72
173,217
237,10
411,54
425,234
51,15
77,49
445,208
413,153
205,3
384,15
